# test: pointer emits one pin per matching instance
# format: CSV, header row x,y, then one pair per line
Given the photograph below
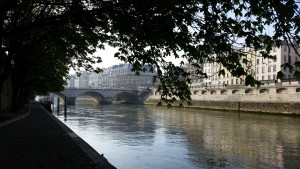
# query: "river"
x,y
147,137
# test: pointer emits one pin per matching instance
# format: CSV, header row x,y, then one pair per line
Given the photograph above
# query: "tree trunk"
x,y
1,88
5,64
2,55
15,98
4,74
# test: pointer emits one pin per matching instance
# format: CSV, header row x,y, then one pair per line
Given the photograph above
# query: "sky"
x,y
107,56
109,60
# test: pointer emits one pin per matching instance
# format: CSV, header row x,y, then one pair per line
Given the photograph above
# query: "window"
x,y
284,58
263,78
274,77
262,60
236,81
274,68
257,61
269,77
263,69
269,68
284,48
257,70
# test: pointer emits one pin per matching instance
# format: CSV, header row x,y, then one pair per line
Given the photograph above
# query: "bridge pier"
x,y
71,101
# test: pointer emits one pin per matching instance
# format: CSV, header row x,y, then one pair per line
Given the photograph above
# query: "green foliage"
x,y
280,75
297,74
45,38
221,72
249,80
287,66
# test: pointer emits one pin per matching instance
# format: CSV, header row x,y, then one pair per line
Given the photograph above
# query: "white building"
x,y
117,76
84,79
79,82
121,76
266,69
262,69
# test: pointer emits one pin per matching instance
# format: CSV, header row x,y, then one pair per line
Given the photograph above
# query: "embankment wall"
x,y
276,98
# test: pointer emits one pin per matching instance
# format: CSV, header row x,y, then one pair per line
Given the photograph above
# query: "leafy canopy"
x,y
146,32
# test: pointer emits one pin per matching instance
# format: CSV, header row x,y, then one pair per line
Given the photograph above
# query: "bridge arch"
x,y
264,91
249,91
106,95
125,97
61,96
224,92
281,90
235,91
95,95
213,92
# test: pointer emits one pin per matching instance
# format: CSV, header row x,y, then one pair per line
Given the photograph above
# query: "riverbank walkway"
x,y
37,140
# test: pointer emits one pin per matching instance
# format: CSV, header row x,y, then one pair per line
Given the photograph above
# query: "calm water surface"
x,y
147,137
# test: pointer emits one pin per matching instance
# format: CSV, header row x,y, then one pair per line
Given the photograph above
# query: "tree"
x,y
39,43
145,32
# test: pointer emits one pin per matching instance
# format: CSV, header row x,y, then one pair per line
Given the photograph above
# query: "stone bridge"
x,y
105,96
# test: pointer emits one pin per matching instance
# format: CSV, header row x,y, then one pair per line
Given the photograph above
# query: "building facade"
x,y
117,76
262,69
121,76
266,69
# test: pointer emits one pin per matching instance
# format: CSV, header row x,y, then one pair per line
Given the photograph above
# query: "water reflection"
x,y
149,137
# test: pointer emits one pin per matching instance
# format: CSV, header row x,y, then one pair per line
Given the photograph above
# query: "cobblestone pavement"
x,y
40,141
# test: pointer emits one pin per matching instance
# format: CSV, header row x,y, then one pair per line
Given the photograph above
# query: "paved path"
x,y
40,141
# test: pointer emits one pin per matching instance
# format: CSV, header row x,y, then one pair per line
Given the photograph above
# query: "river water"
x,y
147,137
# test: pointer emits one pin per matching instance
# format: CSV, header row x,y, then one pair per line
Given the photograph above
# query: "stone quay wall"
x,y
283,98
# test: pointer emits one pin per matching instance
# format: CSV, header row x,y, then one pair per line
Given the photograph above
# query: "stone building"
x,y
82,81
262,69
266,69
121,76
117,76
